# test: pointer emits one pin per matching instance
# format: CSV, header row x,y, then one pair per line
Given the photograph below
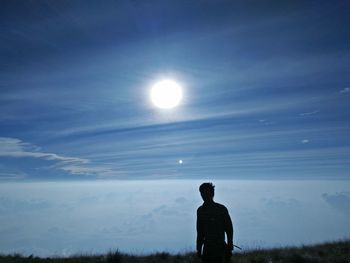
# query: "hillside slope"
x,y
337,252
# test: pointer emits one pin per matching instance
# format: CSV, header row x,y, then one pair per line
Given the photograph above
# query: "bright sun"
x,y
166,94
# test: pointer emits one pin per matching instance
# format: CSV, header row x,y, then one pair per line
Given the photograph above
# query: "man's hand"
x,y
199,253
230,246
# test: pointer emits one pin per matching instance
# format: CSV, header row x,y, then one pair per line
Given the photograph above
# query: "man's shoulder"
x,y
220,207
199,209
216,206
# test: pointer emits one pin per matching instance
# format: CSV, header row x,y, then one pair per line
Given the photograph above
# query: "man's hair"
x,y
207,187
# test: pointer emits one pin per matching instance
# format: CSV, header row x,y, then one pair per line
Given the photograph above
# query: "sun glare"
x,y
166,94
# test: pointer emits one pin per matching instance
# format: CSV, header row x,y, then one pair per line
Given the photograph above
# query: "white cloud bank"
x,y
147,216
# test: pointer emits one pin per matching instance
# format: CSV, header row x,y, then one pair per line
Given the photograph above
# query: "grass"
x,y
336,252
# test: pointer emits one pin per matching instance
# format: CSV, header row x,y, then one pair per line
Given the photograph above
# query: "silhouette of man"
x,y
213,221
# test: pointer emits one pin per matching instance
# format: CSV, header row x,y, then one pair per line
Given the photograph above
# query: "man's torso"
x,y
212,218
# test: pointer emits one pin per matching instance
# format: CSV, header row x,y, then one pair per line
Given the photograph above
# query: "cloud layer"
x,y
339,200
142,217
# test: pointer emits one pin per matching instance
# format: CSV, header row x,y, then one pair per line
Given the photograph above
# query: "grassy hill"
x,y
337,252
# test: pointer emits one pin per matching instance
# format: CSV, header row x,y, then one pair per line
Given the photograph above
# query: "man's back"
x,y
212,222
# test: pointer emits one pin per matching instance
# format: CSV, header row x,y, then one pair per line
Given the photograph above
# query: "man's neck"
x,y
209,202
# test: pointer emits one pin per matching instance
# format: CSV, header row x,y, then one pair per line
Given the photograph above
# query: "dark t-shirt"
x,y
213,221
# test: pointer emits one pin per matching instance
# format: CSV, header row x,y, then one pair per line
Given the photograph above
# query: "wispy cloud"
x,y
5,175
309,113
16,148
305,141
12,147
345,90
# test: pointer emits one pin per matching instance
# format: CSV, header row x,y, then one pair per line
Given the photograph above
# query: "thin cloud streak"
x,y
241,145
345,90
12,147
15,148
12,175
184,120
309,113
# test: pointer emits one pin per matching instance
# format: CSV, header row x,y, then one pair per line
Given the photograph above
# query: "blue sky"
x,y
265,116
266,90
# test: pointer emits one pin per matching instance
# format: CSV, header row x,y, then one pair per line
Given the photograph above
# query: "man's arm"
x,y
200,234
228,229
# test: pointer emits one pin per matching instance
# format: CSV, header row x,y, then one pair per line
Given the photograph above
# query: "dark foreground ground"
x,y
337,252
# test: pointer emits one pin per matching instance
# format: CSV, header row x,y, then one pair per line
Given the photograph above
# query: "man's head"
x,y
207,191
